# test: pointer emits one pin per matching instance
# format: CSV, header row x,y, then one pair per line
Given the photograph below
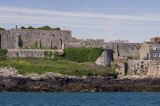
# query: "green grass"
x,y
82,54
62,66
3,53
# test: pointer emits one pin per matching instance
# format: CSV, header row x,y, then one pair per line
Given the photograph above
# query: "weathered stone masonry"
x,y
27,39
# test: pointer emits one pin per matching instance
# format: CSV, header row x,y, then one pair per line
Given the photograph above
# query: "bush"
x,y
48,28
3,53
45,28
40,28
82,54
58,29
30,27
22,27
49,54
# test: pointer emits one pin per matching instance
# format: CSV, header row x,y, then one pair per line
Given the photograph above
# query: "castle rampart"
x,y
33,39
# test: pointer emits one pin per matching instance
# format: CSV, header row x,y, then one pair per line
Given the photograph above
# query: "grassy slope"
x,y
82,54
75,61
63,66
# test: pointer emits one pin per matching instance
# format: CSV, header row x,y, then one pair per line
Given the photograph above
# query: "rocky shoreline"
x,y
50,82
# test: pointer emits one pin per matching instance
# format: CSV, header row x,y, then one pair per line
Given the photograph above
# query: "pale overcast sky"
x,y
134,20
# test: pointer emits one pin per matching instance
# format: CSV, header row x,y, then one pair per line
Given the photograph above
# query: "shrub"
x,y
36,44
3,53
58,29
82,54
22,27
49,54
30,27
45,28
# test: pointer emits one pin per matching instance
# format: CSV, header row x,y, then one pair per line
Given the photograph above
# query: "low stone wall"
x,y
138,67
81,43
31,53
154,68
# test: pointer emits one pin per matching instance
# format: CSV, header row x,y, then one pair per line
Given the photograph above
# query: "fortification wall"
x,y
88,43
138,67
12,53
124,50
144,67
26,39
154,68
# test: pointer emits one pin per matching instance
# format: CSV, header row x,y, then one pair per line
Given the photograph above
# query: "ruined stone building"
x,y
33,39
34,42
43,39
148,63
132,58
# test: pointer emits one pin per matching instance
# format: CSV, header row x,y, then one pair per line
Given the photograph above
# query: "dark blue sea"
x,y
80,99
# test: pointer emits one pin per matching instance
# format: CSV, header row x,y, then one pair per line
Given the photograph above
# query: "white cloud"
x,y
22,11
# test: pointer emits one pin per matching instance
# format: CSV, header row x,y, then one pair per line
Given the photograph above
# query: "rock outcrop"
x,y
11,81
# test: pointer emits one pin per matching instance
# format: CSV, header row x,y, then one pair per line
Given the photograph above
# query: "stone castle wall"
x,y
154,68
138,67
40,39
88,43
53,39
124,50
26,39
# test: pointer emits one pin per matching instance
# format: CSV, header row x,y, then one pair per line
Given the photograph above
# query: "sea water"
x,y
80,99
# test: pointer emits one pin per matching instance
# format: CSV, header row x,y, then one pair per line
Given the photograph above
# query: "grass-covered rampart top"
x,y
82,54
